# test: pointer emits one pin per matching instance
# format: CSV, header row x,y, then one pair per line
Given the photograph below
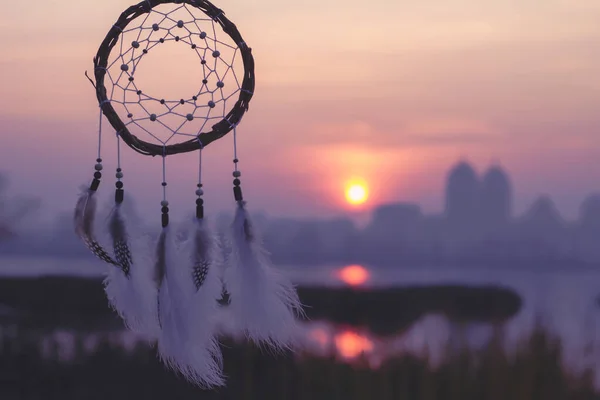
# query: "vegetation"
x,y
49,302
535,372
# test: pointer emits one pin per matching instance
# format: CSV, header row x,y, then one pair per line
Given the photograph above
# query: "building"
x,y
462,202
495,201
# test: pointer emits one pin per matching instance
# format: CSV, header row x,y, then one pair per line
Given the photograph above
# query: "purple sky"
x,y
393,94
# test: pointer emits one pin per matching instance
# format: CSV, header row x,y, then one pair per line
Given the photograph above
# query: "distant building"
x,y
495,207
397,215
462,202
589,213
543,228
543,214
588,229
395,228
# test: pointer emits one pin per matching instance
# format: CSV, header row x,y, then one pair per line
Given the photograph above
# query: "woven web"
x,y
207,95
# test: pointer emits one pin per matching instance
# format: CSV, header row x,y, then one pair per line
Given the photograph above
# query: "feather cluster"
x,y
168,291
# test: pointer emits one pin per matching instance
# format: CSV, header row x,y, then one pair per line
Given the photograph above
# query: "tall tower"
x,y
496,199
462,200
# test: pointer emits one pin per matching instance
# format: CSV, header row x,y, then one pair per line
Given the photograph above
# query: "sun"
x,y
356,193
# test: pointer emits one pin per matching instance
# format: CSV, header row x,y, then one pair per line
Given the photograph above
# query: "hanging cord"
x,y
100,135
200,191
235,158
118,152
200,166
98,167
237,190
164,180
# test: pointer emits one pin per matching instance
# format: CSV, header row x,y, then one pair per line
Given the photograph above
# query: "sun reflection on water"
x,y
353,275
350,344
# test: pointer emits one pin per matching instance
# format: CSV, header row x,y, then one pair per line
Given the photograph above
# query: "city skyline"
x,y
492,175
478,225
493,186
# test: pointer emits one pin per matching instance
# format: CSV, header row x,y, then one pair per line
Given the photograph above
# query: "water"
x,y
566,298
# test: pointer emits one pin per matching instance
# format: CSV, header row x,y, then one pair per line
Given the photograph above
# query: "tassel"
x,y
131,290
264,303
187,344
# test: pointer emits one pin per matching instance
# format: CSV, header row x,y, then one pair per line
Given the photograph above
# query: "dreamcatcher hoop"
x,y
171,294
220,129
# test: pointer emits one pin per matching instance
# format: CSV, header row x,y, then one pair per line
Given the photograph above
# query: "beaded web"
x,y
158,119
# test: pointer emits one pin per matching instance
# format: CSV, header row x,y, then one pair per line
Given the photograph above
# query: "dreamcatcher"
x,y
171,294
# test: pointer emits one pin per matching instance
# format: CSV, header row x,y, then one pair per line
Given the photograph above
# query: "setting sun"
x,y
356,193
353,275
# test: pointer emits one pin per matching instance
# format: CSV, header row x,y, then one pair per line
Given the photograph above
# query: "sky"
x,y
390,92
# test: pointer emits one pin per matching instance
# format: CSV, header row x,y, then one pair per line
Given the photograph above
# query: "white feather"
x,y
188,318
264,303
134,297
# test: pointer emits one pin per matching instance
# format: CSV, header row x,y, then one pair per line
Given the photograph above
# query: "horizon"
x,y
360,214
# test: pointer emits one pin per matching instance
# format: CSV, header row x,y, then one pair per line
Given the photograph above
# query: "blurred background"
x,y
426,172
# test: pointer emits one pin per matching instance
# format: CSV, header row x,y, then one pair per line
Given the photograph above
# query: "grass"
x,y
535,371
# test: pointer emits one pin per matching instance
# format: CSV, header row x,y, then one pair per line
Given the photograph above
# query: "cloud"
x,y
412,133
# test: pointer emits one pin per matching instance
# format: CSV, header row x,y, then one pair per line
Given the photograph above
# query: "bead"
x,y
130,79
139,92
164,209
135,44
97,175
164,203
205,81
177,38
199,192
119,175
199,202
236,182
119,196
216,53
124,67
180,24
220,84
189,117
202,35
119,185
237,174
203,61
235,160
237,193
130,115
194,46
182,101
194,98
162,40
152,117
199,185
145,51
211,104
164,184
98,160
98,167
119,170
162,101
154,27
